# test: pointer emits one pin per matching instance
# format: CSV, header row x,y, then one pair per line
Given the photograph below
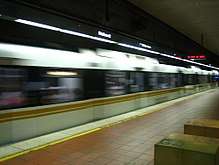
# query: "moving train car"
x,y
32,76
45,90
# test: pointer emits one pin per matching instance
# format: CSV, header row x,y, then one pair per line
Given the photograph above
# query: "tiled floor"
x,y
128,143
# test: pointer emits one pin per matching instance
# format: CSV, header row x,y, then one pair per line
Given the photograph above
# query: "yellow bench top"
x,y
204,123
191,143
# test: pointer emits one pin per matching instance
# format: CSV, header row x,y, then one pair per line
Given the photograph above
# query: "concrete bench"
x,y
181,149
202,127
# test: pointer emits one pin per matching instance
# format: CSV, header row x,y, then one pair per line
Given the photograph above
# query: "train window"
x,y
11,88
43,88
152,81
136,82
173,80
61,86
163,80
190,79
181,79
146,81
202,79
115,83
93,83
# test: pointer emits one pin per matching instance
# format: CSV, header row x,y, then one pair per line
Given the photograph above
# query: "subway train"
x,y
33,76
46,90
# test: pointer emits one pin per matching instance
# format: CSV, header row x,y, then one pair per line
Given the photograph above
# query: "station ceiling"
x,y
197,19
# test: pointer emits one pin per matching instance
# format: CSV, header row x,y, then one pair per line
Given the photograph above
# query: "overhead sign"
x,y
103,34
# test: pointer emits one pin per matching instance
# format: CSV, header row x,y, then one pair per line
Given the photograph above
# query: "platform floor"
x,y
128,143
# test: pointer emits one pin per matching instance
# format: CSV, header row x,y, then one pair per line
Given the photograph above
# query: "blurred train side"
x,y
32,76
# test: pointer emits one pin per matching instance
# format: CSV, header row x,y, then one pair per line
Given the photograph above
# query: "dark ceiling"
x,y
197,19
126,22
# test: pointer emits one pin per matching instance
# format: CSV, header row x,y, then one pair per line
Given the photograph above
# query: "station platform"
x,y
130,142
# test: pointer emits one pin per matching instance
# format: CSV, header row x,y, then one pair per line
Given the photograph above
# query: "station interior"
x,y
109,82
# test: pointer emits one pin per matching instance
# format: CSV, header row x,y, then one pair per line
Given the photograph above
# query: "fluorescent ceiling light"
x,y
62,73
37,25
104,40
44,26
145,46
137,48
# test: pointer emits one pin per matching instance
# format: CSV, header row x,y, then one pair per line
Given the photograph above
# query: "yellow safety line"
x,y
47,144
13,156
75,136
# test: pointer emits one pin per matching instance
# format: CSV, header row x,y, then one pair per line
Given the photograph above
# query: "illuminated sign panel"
x,y
197,57
103,34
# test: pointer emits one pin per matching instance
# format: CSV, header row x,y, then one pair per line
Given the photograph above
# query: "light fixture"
x,y
37,25
61,73
137,48
44,26
145,46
